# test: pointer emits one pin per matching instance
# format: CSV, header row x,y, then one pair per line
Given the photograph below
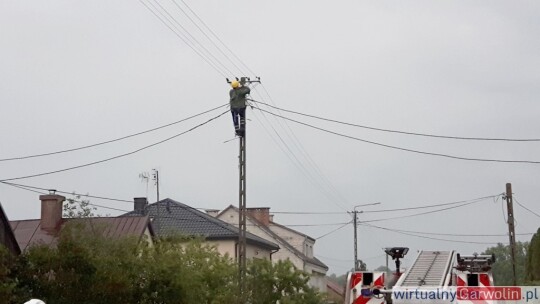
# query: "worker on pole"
x,y
238,104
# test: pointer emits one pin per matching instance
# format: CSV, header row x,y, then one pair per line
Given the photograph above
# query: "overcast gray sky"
x,y
75,73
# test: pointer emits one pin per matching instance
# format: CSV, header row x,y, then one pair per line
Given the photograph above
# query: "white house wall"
x,y
295,239
229,247
317,274
231,216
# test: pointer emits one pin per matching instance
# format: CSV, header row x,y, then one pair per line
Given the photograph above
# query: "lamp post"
x,y
355,218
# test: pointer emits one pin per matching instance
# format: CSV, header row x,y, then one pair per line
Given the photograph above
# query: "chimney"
x,y
262,214
51,211
271,217
140,204
212,212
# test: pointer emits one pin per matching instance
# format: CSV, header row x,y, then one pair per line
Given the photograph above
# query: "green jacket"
x,y
238,97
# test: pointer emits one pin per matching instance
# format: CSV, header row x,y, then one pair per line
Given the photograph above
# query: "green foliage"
x,y
77,208
281,281
533,260
8,283
502,269
85,268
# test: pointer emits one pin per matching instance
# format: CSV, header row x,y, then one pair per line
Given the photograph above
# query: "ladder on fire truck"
x,y
431,268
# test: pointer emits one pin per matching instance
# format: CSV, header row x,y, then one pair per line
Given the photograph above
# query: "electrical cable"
x,y
423,213
217,37
333,231
184,40
70,193
206,35
117,156
526,207
457,234
303,152
219,49
273,212
194,40
401,132
427,237
112,140
75,200
30,188
431,206
295,160
404,149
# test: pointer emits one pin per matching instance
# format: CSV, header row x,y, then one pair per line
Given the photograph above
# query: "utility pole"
x,y
242,217
156,179
355,218
511,230
242,259
355,224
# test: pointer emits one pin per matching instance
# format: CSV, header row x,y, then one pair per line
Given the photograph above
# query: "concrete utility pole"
x,y
355,224
241,247
242,217
511,230
156,179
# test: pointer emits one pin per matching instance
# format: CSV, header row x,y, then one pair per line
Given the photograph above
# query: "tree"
x,y
533,260
84,267
77,208
502,268
281,281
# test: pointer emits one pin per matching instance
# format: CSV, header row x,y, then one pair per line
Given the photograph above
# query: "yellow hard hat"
x,y
235,84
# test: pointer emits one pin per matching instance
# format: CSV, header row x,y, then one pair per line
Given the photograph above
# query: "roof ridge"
x,y
222,224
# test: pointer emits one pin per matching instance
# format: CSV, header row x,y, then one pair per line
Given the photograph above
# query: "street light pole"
x,y
355,224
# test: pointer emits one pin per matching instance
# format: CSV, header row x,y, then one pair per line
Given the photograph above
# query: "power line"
x,y
210,63
70,193
110,141
431,206
423,213
193,39
217,37
295,160
403,149
298,144
427,237
453,234
31,189
117,156
78,201
526,208
334,230
401,132
204,33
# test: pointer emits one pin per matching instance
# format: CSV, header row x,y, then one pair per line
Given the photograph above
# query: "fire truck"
x,y
431,270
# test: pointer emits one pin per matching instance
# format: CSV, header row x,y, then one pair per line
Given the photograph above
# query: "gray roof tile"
x,y
171,217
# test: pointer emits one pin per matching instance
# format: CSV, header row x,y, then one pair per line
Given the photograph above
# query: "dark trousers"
x,y
238,116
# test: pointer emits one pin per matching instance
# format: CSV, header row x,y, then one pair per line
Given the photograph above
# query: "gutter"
x,y
272,252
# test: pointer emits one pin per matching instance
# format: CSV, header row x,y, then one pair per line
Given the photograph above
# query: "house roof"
x,y
286,244
8,238
29,232
170,217
292,230
335,287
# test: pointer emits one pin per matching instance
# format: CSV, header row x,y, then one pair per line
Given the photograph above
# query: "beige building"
x,y
295,246
170,217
